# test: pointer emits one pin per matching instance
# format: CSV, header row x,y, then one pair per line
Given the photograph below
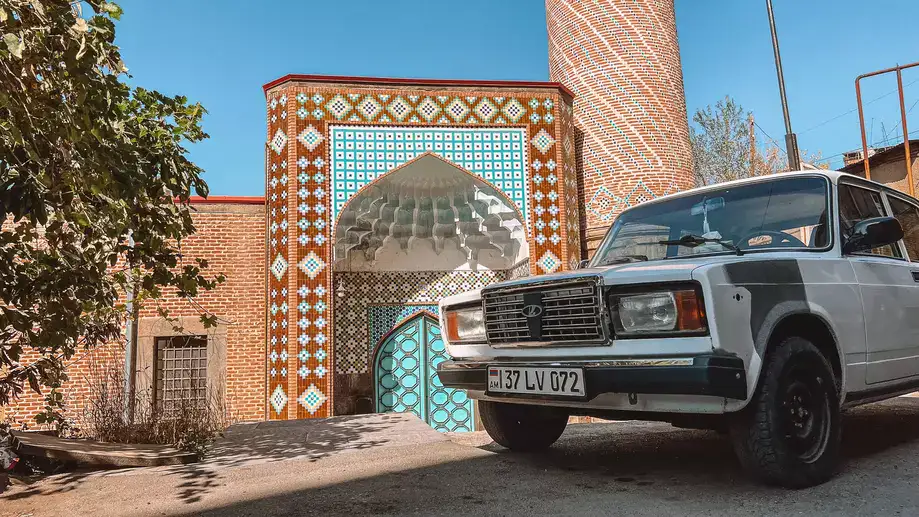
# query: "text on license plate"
x,y
539,381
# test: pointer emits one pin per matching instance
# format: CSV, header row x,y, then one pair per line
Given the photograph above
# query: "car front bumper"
x,y
710,374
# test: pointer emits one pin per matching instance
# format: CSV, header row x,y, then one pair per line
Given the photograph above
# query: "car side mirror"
x,y
582,264
873,233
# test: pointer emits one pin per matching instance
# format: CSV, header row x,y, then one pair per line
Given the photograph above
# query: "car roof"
x,y
831,175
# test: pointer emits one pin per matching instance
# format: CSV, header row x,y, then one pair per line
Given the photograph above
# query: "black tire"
x,y
521,427
789,433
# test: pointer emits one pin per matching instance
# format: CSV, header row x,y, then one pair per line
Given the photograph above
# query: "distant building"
x,y
887,165
859,155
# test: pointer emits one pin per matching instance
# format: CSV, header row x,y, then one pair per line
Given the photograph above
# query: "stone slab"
x,y
92,453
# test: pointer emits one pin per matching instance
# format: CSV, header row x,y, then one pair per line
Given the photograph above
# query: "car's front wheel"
x,y
789,434
522,427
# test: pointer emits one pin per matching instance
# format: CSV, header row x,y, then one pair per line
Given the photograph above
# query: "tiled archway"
x,y
304,170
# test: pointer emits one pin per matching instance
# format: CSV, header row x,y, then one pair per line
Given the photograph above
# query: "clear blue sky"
x,y
221,52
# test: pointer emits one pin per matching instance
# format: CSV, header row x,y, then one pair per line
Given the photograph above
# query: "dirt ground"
x,y
395,465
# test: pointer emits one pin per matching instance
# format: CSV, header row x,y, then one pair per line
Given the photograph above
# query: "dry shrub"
x,y
189,423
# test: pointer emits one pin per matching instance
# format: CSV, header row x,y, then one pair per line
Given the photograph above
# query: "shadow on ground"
x,y
596,467
266,442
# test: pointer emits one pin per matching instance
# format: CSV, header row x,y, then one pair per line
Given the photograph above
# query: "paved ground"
x,y
391,464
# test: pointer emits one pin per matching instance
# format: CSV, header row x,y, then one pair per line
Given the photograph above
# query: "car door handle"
x,y
915,276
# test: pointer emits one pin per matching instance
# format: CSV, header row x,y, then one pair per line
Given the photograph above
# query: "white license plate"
x,y
565,382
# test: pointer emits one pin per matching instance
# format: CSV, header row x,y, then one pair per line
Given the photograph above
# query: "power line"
x,y
770,138
898,122
853,110
870,145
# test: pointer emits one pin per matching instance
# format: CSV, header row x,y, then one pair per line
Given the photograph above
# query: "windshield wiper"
x,y
692,241
624,259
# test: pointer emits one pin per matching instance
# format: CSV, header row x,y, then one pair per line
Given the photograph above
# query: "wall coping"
x,y
400,81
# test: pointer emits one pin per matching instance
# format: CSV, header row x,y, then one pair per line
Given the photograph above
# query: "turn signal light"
x,y
690,313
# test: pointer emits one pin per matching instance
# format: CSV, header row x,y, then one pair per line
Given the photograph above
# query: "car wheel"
x,y
789,434
522,427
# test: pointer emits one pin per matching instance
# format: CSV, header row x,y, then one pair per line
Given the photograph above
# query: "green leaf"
x,y
113,10
13,44
87,157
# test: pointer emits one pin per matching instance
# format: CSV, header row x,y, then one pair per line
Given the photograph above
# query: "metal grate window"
x,y
181,371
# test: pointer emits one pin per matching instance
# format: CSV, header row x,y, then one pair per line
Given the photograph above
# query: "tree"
x,y
723,146
85,162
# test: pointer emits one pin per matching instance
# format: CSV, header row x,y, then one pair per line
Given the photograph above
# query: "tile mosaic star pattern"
x,y
279,267
310,138
312,264
278,399
279,142
549,262
312,399
277,185
543,141
359,155
312,296
307,188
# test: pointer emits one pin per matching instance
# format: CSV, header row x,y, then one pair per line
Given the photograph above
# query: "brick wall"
x,y
891,173
231,236
621,58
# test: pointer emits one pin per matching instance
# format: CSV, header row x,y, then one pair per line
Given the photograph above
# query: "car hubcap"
x,y
805,414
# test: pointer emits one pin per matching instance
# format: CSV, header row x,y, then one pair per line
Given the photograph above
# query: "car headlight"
x,y
662,312
465,325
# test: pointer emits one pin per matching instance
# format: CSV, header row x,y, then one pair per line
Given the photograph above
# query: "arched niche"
x,y
429,215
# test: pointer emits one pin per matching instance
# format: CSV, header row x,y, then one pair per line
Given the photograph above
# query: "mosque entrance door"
x,y
405,377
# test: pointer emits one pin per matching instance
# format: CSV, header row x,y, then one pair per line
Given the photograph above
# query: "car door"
x,y
890,295
906,210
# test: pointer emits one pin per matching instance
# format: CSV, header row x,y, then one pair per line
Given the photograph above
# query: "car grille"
x,y
570,313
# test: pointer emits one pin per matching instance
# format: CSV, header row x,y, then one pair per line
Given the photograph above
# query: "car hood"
x,y
621,274
618,274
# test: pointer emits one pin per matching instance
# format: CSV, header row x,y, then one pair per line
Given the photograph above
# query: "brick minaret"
x,y
622,60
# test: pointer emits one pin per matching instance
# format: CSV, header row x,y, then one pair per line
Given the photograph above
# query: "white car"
x,y
760,307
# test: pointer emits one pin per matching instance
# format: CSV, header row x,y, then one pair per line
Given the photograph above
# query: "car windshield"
x,y
782,214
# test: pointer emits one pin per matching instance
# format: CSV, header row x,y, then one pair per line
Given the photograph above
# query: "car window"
x,y
857,204
779,214
908,215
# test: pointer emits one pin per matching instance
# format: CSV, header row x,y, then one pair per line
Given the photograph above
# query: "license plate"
x,y
564,382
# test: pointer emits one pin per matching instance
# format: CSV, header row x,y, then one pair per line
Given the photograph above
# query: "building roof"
x,y
393,81
888,155
227,200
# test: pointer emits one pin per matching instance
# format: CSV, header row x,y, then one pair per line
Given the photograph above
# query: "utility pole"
x,y
752,146
791,140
